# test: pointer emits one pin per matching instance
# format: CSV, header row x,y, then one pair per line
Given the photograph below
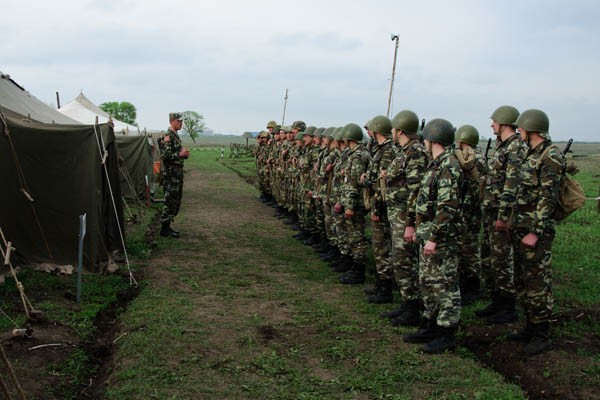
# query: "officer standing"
x,y
437,215
534,228
173,155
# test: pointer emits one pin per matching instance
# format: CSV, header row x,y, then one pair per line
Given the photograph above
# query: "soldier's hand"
x,y
530,240
501,226
429,248
329,167
410,236
383,174
184,153
374,217
349,213
363,178
337,208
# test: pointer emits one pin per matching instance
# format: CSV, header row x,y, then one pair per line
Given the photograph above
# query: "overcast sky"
x,y
233,60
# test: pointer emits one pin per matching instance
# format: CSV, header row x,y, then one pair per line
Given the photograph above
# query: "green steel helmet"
x,y
300,125
299,136
271,124
505,115
534,121
468,134
319,132
381,124
337,134
406,121
276,128
287,129
329,133
310,131
352,132
367,125
440,131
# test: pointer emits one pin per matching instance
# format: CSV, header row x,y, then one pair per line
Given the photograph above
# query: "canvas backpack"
x,y
570,197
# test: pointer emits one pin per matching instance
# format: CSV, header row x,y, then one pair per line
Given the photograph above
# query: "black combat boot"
x,y
332,254
291,219
523,335
470,291
354,276
344,264
412,314
428,330
540,340
313,239
444,342
507,312
375,288
302,235
278,211
385,293
166,230
284,213
491,308
396,312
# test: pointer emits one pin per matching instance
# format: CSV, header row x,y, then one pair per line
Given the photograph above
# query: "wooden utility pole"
x,y
284,107
394,37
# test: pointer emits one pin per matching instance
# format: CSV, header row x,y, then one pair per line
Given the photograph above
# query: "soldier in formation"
x,y
434,204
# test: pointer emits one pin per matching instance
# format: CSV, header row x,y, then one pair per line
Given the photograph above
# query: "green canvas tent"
x,y
50,174
136,155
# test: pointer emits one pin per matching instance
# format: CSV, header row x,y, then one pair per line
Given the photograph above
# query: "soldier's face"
x,y
522,134
428,145
290,136
495,127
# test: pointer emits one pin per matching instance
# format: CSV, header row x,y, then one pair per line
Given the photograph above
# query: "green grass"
x,y
246,312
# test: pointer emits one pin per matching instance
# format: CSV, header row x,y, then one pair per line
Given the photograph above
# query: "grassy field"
x,y
237,309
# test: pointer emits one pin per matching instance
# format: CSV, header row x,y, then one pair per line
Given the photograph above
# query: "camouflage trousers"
x,y
469,244
533,277
173,187
404,258
382,247
308,214
485,255
500,274
319,216
340,232
438,278
357,241
329,224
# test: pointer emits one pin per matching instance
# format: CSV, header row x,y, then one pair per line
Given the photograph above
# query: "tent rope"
x,y
6,256
12,375
23,183
102,146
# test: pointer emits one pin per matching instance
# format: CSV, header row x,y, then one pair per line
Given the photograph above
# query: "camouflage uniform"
x,y
351,199
469,242
536,200
404,180
381,234
339,223
501,186
437,217
170,147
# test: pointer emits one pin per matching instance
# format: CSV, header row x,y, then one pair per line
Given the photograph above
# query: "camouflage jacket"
x,y
473,184
502,181
540,185
404,176
381,159
356,164
336,183
439,200
170,146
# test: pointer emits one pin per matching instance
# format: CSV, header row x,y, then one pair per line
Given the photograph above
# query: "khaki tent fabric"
x,y
15,98
61,170
136,154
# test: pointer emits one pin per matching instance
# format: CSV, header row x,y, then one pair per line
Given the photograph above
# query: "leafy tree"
x,y
123,111
193,124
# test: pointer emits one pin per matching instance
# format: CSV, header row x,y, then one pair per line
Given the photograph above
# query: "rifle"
x,y
567,147
487,149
